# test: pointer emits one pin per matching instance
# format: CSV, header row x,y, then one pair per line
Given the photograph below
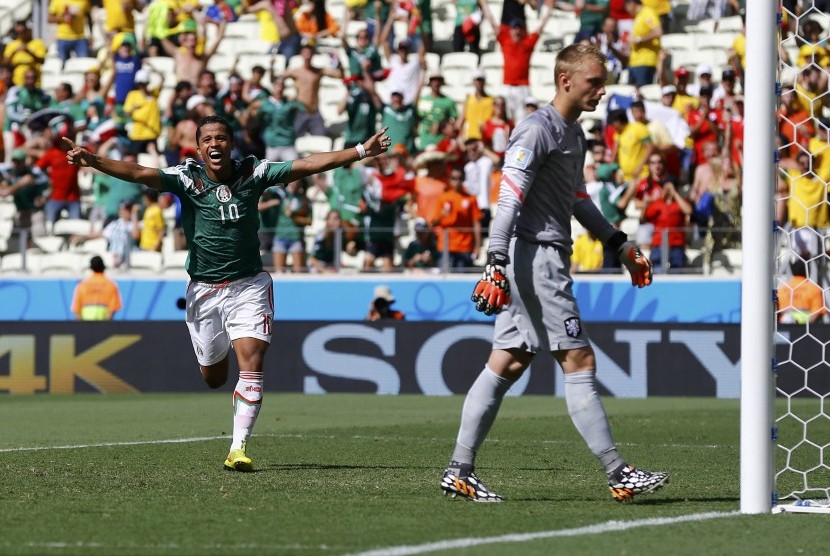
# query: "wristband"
x,y
615,241
361,152
501,259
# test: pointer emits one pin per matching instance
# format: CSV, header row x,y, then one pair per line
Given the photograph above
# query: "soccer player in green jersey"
x,y
229,298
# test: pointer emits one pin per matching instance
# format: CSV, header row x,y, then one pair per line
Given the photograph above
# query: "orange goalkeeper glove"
x,y
637,264
492,292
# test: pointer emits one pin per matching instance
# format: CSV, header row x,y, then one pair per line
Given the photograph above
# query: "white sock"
x,y
480,409
588,416
247,399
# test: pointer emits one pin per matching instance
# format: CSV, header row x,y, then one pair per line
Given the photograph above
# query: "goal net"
x,y
802,239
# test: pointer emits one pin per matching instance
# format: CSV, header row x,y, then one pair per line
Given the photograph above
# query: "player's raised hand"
x,y
378,143
637,264
75,155
492,292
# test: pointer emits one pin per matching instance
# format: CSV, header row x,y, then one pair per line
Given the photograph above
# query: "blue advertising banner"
x,y
421,298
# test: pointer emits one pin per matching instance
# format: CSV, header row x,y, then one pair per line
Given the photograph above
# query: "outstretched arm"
x,y
322,162
127,171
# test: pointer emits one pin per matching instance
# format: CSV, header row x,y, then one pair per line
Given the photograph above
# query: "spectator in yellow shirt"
x,y
633,145
645,44
587,253
71,17
151,231
23,53
142,108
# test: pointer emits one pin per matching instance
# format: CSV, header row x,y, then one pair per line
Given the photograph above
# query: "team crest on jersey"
x,y
223,193
572,327
198,185
521,157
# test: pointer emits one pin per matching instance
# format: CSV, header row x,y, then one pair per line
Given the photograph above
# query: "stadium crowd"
x,y
664,157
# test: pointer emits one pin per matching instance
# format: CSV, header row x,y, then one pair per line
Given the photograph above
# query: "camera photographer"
x,y
381,306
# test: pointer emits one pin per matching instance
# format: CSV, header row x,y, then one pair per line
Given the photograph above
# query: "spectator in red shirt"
x,y
704,125
496,131
65,192
517,46
451,144
669,214
625,21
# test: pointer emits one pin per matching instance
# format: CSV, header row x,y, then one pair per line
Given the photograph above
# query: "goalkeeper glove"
x,y
492,292
637,264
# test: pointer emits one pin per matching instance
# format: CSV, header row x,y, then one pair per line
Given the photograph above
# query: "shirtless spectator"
x,y
307,82
184,135
189,64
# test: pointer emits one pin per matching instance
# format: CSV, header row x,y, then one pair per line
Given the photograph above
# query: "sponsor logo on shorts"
x,y
223,193
572,327
521,157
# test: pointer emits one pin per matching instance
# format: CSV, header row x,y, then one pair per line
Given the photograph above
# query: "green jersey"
x,y
401,124
363,117
221,220
277,120
432,111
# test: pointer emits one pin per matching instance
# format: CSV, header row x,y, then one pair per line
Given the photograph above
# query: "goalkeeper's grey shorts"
x,y
542,315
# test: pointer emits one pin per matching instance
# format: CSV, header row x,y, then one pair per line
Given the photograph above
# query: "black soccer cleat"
x,y
630,481
460,480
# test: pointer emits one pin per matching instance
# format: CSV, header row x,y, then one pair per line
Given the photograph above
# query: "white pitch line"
x,y
598,529
317,436
108,444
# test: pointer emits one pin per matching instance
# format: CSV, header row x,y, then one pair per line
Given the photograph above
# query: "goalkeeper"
x,y
526,279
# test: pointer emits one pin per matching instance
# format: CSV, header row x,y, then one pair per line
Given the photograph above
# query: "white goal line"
x,y
597,529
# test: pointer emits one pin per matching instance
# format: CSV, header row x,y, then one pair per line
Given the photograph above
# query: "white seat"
x,y
733,24
310,144
720,41
242,28
544,60
49,244
330,111
175,260
7,211
220,62
462,60
433,61
652,92
71,227
13,262
492,60
80,65
63,262
94,246
145,260
678,41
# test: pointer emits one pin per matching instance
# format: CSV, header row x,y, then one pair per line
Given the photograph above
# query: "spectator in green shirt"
x,y
401,119
434,108
276,116
362,106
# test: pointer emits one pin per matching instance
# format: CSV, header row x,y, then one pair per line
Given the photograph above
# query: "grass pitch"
x,y
344,474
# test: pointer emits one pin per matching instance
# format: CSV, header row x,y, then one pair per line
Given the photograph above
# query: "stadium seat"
x,y
544,60
71,227
14,263
310,144
243,28
453,62
677,41
733,24
145,261
174,261
7,210
80,65
51,66
491,60
718,41
94,246
49,244
433,61
651,92
63,262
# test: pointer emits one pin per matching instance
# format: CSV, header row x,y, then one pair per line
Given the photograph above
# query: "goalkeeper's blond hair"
x,y
571,59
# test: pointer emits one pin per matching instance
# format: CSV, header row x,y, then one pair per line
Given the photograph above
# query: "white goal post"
x,y
785,423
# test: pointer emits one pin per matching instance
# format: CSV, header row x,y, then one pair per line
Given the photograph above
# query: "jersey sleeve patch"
x,y
520,158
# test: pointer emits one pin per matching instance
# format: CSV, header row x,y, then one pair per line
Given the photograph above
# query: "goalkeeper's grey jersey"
x,y
542,178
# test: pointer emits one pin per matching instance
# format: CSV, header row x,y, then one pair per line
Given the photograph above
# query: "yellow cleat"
x,y
237,460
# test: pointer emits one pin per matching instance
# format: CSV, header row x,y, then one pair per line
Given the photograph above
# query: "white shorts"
x,y
218,314
542,314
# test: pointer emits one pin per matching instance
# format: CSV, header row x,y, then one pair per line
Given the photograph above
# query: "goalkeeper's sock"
x,y
247,399
480,409
588,416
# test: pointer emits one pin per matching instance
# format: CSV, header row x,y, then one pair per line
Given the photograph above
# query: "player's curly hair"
x,y
570,59
213,120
